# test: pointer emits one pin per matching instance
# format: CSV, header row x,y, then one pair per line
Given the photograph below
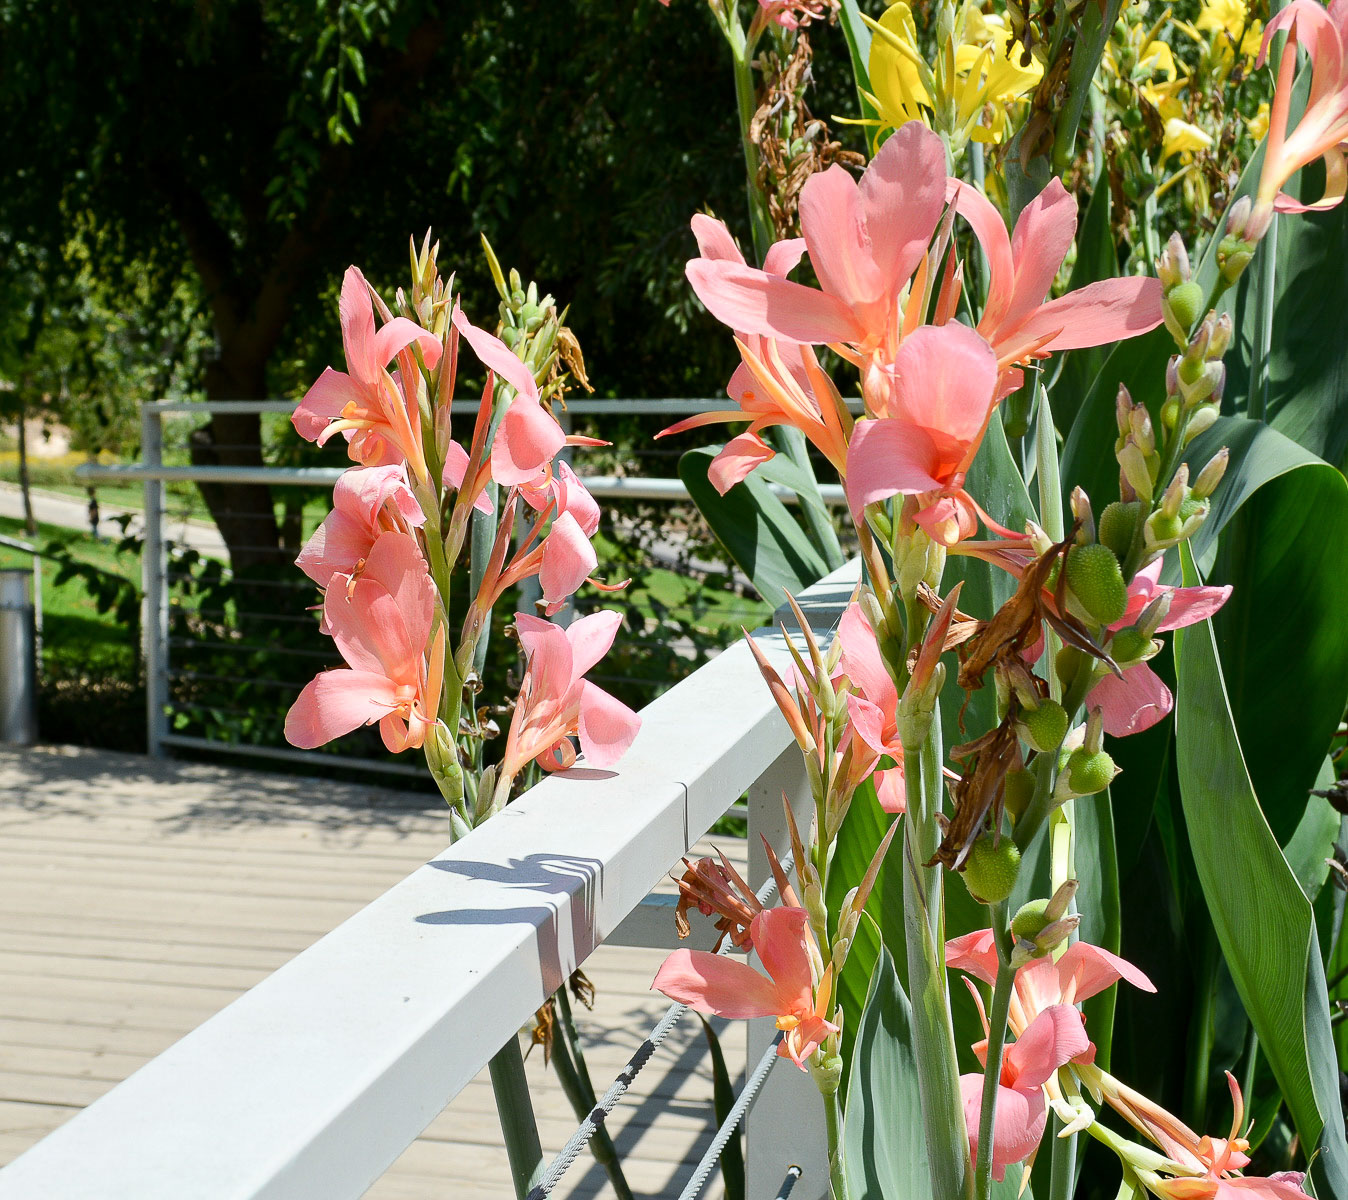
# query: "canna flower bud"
x,y
1123,406
1081,510
1172,268
1133,465
1175,494
1203,420
1211,475
1220,340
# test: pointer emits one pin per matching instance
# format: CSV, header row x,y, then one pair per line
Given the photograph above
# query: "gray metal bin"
x,y
18,660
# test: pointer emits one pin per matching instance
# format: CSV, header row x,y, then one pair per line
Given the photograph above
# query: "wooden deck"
x,y
138,897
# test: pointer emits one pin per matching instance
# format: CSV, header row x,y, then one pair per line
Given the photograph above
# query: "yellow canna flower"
x,y
1258,124
1183,139
966,96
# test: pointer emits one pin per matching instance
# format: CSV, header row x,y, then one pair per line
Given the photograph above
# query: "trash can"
x,y
18,660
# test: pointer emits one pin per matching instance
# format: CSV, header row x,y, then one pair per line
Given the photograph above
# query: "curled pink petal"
x,y
974,953
1091,969
568,560
736,459
1053,1039
889,458
1131,704
526,442
779,940
607,727
891,789
1017,1127
323,403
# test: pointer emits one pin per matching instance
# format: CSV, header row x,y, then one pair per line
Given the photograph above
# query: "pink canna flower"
x,y
872,705
719,986
778,383
864,239
1054,1038
366,502
932,406
1017,321
381,621
381,423
556,700
1323,128
1081,972
1140,699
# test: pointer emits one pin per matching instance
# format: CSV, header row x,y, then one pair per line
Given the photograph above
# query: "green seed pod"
x,y
1067,663
1045,727
1094,576
1129,646
1017,792
1030,919
1117,524
990,870
1089,773
1185,301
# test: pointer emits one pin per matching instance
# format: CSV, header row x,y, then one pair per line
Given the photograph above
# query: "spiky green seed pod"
x,y
1089,773
991,869
1117,524
1045,727
1094,576
1185,301
1030,919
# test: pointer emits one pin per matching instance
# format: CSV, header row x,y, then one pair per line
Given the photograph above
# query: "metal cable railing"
x,y
577,1142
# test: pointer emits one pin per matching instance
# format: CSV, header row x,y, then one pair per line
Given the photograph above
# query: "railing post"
x,y
785,1126
154,583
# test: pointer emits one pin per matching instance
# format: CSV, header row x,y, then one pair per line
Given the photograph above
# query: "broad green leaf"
x,y
858,35
884,1148
1096,259
1262,917
755,527
1282,517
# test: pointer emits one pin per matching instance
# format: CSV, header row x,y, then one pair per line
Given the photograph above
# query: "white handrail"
x,y
312,1083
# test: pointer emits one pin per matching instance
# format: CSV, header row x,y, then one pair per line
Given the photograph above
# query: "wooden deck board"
x,y
138,898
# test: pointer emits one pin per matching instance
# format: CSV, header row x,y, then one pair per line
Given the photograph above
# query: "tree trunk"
x,y
29,521
244,513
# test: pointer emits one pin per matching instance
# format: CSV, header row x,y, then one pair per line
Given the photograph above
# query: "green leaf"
x,y
1282,517
723,1100
755,527
1262,917
858,36
884,1148
1096,259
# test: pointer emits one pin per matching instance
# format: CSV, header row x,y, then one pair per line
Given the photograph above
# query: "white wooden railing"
x,y
311,1084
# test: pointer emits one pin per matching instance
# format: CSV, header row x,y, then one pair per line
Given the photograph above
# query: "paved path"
x,y
56,508
137,898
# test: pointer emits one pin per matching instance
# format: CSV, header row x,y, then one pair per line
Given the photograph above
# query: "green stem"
x,y
992,1073
1063,1164
924,929
515,1108
1265,286
1251,1062
741,56
1200,1041
837,1177
1046,467
569,1063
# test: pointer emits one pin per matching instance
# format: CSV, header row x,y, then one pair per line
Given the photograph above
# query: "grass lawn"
x,y
74,631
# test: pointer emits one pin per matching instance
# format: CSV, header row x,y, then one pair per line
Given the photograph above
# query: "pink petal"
x,y
1054,1038
867,722
337,545
891,789
862,663
496,356
526,441
736,459
1041,241
362,493
336,702
713,239
832,219
1109,311
902,195
784,257
990,230
805,1039
779,941
755,302
356,310
396,335
590,638
607,726
1190,605
1131,704
573,497
975,954
456,467
568,561
547,652
395,564
945,380
1092,969
1017,1127
714,984
888,458
323,403
949,519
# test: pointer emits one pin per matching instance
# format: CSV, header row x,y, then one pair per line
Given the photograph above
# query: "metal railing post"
x,y
154,583
785,1126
